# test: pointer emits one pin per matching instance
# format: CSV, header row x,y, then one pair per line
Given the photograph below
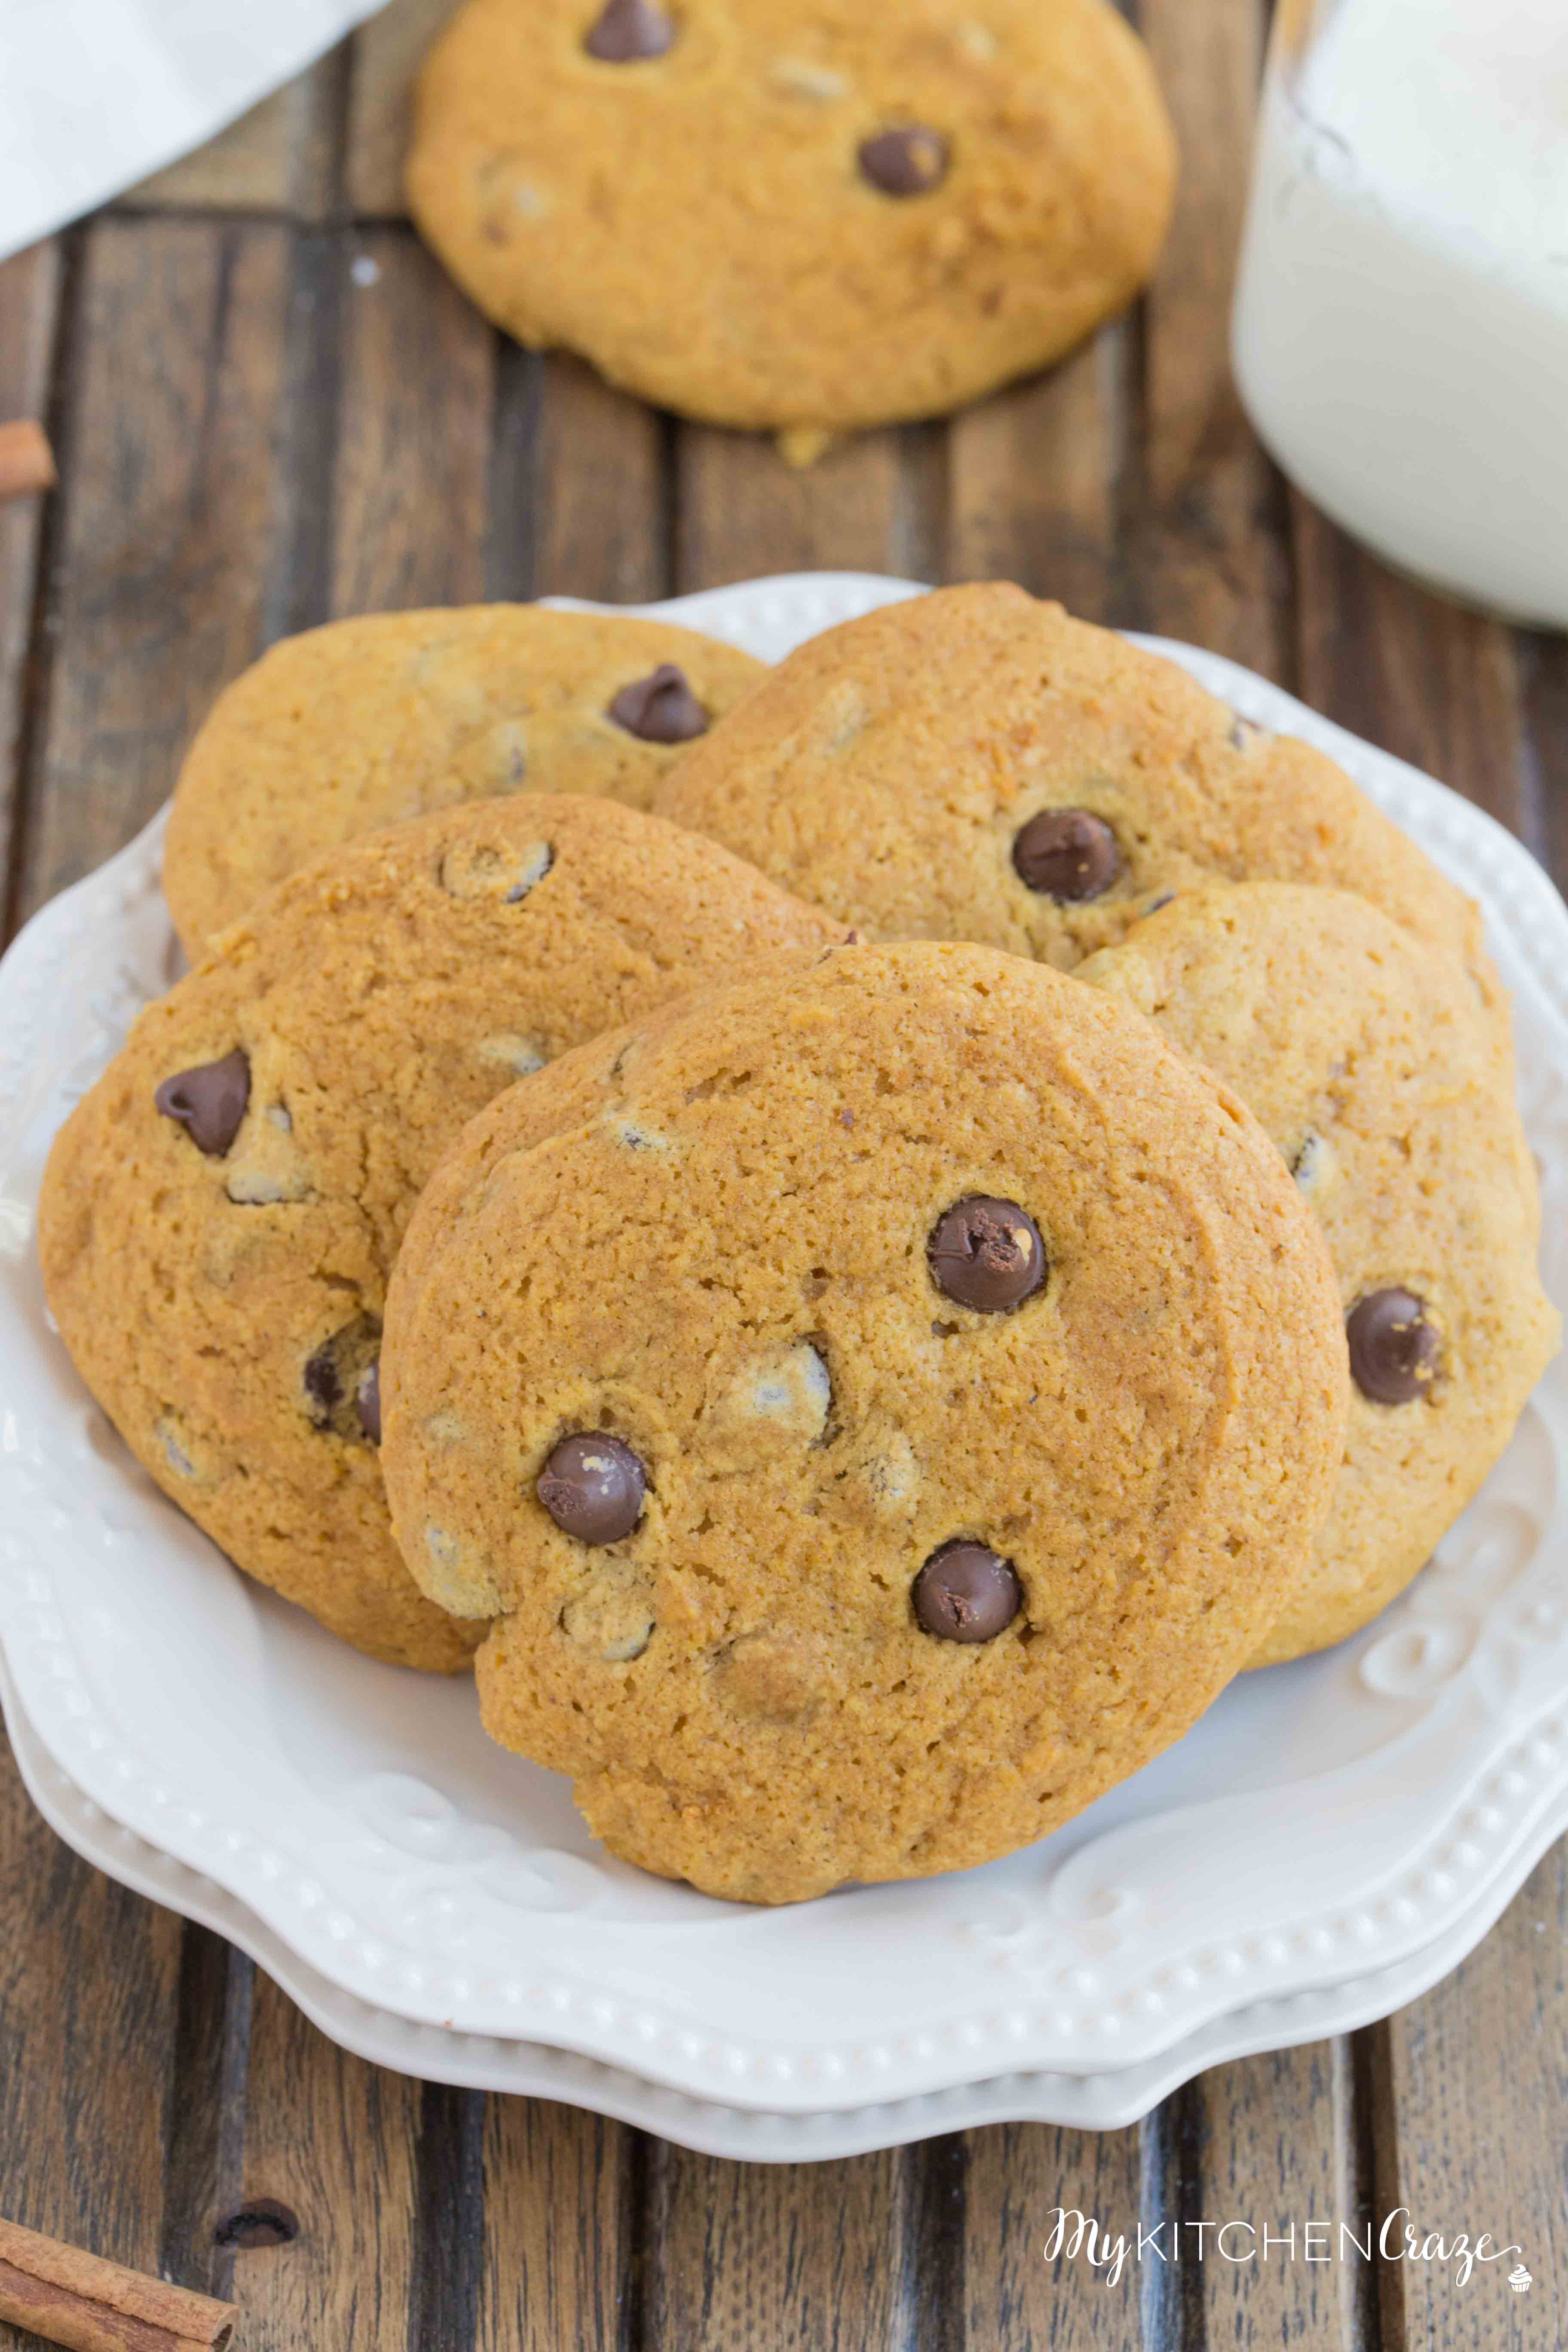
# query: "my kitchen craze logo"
x,y
1079,2237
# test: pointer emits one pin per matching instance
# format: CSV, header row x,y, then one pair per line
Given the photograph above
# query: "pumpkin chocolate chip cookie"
x,y
803,219
1367,1060
881,1403
220,1214
368,723
973,764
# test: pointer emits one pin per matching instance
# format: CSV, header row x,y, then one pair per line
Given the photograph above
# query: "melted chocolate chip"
x,y
986,1254
1393,1348
1067,855
367,1401
628,30
910,160
966,1593
323,1383
660,707
592,1487
209,1101
335,1376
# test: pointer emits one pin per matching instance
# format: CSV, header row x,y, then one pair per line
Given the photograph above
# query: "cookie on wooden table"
x,y
369,723
974,764
220,1214
807,219
881,1403
1369,1063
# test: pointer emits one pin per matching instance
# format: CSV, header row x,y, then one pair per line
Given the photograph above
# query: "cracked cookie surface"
x,y
1366,1059
369,723
220,1214
879,1403
800,219
975,764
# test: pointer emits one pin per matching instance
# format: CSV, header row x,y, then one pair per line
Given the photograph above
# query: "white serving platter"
x,y
1327,1822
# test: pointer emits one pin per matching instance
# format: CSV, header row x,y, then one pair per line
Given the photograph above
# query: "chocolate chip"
x,y
966,1593
592,1487
334,1381
1068,853
1393,1348
367,1401
910,160
323,1384
628,30
209,1101
660,707
986,1254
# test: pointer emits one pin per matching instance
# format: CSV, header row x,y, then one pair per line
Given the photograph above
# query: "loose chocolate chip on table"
x,y
1068,853
1393,1348
592,1487
986,1254
367,1401
660,707
908,161
209,1101
628,30
966,1593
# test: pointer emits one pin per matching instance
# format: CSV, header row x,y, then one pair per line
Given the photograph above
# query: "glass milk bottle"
x,y
1401,327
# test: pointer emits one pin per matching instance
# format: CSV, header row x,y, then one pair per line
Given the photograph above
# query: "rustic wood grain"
x,y
386,51
808,2258
1210,562
279,156
1478,2077
742,511
600,501
408,514
1012,2299
30,304
170,421
1032,475
89,1989
1543,666
335,2141
1423,677
562,2230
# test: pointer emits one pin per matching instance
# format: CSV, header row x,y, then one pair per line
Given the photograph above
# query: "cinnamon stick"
x,y
72,2298
27,460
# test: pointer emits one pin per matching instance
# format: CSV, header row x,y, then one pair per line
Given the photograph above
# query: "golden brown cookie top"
x,y
975,764
368,723
1368,1061
767,215
882,1402
220,1214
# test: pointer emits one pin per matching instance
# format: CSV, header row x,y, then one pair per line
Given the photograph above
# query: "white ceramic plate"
x,y
1325,1821
1088,2102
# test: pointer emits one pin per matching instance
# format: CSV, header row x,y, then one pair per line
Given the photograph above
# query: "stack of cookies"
x,y
858,1238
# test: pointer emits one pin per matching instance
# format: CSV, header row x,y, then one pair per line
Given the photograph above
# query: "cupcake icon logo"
x,y
1518,2279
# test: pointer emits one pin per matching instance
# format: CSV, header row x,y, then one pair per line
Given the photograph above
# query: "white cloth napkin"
x,y
94,94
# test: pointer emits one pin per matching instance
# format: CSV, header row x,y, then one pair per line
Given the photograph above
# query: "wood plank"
x,y
1477,2070
335,2141
1017,2176
600,488
561,2228
1423,677
276,157
29,305
88,2007
798,2258
742,511
1209,558
408,517
386,54
1033,474
1279,2145
1543,663
169,425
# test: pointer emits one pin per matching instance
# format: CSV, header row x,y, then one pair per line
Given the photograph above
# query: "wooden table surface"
x,y
269,408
